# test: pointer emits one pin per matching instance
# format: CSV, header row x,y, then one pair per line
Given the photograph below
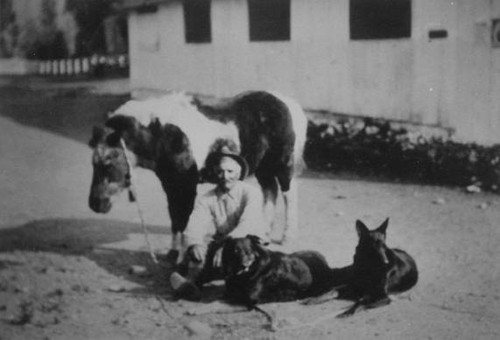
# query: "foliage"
x,y
43,40
377,148
9,30
90,15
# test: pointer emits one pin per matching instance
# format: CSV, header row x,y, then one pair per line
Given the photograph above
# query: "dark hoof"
x,y
172,256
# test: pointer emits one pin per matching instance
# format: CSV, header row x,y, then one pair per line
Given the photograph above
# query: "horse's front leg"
x,y
270,194
288,187
175,246
178,247
269,209
180,205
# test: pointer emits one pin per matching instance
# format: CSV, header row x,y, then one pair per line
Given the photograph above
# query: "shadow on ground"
x,y
68,112
108,243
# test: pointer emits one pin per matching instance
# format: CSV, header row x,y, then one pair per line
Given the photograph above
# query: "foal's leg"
x,y
175,243
291,212
290,196
270,192
180,196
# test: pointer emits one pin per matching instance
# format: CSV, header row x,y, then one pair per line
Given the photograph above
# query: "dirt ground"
x,y
67,273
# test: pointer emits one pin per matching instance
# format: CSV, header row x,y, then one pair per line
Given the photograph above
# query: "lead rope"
x,y
133,197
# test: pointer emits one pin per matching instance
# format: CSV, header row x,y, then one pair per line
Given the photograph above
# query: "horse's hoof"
x,y
172,256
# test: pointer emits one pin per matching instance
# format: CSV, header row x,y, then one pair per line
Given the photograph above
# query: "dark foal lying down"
x,y
376,272
254,274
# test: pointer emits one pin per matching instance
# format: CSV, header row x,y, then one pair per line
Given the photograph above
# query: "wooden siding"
x,y
451,82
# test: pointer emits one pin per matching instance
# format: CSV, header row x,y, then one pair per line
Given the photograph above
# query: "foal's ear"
x,y
98,133
361,228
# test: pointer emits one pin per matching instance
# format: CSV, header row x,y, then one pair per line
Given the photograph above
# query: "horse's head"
x,y
109,160
111,170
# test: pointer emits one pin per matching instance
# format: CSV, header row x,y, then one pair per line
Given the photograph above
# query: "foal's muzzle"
x,y
100,205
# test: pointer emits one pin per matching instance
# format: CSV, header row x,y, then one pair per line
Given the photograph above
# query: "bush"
x,y
378,148
43,43
43,40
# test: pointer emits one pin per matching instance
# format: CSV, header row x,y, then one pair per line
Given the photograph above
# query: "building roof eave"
x,y
140,5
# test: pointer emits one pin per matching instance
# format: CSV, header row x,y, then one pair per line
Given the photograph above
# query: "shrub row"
x,y
370,147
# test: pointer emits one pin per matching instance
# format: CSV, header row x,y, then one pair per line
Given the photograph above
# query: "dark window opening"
x,y
380,19
269,20
145,9
197,21
438,34
495,32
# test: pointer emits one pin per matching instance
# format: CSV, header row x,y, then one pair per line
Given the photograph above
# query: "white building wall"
x,y
478,89
452,82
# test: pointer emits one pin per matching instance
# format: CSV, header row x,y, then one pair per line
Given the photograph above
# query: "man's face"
x,y
228,173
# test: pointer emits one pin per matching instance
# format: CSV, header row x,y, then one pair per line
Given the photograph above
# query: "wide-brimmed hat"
x,y
215,157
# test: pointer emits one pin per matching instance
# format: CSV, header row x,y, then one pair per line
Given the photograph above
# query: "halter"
x,y
133,198
128,176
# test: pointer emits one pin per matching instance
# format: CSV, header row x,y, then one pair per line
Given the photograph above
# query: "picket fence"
x,y
93,65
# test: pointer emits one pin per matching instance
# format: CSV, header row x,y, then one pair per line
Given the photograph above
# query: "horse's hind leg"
x,y
270,192
291,215
290,197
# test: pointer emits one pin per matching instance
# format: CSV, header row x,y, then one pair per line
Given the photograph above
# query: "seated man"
x,y
233,208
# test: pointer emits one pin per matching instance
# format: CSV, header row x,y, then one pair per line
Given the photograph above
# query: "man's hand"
x,y
197,252
217,262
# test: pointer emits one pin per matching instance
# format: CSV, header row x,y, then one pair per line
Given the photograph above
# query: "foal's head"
x,y
111,169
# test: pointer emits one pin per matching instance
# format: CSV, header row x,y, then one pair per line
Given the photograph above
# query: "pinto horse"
x,y
173,135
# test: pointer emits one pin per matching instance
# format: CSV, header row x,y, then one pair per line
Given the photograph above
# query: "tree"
x,y
90,15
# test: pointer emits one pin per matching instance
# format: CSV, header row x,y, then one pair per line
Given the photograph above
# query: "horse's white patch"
x,y
299,122
177,109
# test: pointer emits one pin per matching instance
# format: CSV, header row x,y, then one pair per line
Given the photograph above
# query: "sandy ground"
x,y
65,271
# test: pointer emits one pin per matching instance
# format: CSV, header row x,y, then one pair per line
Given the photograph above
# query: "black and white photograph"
x,y
249,169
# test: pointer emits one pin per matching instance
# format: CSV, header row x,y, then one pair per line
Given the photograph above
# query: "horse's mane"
x,y
178,109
